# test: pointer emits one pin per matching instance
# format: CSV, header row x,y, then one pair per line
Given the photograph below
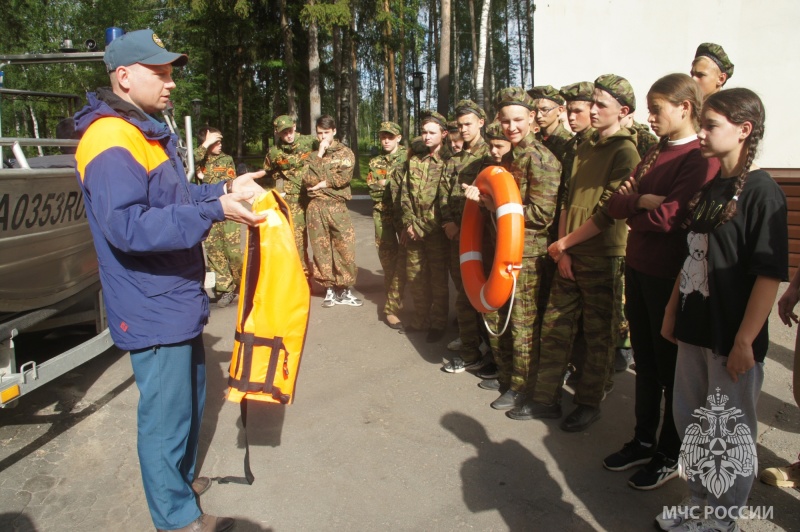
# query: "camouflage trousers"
x,y
426,272
393,259
224,253
465,313
333,243
297,207
516,351
591,296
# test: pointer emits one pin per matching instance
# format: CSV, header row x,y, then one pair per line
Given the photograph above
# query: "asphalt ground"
x,y
379,438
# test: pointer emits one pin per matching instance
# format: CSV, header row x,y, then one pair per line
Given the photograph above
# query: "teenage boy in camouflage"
x,y
644,137
537,173
224,243
711,68
383,190
426,245
550,107
330,229
499,145
589,253
462,168
288,160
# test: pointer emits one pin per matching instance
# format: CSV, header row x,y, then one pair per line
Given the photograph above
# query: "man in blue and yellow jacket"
x,y
148,223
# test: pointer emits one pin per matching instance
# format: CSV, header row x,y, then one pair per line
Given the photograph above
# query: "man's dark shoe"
x,y
489,371
226,299
580,418
508,400
631,455
201,485
533,410
434,335
207,523
489,384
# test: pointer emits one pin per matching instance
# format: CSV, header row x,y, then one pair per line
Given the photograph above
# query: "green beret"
x,y
582,91
514,96
283,122
468,106
548,92
716,54
494,131
619,88
429,115
389,127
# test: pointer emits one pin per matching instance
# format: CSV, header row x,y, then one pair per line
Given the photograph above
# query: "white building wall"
x,y
642,40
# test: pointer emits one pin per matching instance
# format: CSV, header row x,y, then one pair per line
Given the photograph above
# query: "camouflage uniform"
x,y
330,229
601,166
289,162
390,253
224,243
557,141
462,168
426,260
644,138
537,172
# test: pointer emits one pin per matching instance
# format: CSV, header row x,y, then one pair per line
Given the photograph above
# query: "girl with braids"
x,y
717,314
654,201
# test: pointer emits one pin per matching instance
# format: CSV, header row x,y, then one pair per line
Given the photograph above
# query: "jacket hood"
x,y
623,135
105,103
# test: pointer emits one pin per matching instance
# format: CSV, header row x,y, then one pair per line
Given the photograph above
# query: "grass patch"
x,y
359,183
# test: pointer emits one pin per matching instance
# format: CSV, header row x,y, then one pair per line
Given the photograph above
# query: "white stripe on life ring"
x,y
470,255
483,300
509,208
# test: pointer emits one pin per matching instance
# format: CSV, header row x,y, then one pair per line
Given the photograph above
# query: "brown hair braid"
x,y
738,105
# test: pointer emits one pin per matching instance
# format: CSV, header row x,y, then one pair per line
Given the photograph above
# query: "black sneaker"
x,y
488,371
632,454
458,365
489,384
346,297
656,473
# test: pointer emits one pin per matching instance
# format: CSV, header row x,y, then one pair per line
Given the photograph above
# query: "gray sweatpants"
x,y
716,419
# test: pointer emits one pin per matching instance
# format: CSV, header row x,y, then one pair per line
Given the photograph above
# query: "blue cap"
x,y
143,47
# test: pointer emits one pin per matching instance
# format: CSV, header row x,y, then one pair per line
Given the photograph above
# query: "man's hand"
x,y
557,250
628,187
565,267
321,184
212,138
323,145
244,184
786,306
412,234
235,212
451,230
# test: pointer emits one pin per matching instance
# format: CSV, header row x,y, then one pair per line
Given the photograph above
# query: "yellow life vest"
x,y
274,301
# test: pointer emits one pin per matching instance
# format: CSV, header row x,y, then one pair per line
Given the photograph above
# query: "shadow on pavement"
x,y
16,523
506,477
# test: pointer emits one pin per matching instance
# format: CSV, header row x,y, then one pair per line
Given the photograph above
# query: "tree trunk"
x,y
288,56
456,65
240,103
354,99
338,74
443,67
433,47
484,35
403,76
35,124
385,83
343,121
488,71
474,36
520,47
530,9
315,101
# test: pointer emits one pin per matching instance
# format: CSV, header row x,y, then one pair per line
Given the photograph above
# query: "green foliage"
x,y
327,15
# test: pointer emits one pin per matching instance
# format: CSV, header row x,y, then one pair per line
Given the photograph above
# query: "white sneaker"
x,y
330,298
707,525
684,512
455,345
346,297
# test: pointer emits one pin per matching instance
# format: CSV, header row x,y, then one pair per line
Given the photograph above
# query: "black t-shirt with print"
x,y
723,261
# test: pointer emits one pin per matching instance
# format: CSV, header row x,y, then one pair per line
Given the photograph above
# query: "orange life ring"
x,y
488,296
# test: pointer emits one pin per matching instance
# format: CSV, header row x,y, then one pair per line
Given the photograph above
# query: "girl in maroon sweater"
x,y
654,202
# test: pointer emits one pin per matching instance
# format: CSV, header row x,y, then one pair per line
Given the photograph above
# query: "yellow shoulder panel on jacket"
x,y
112,132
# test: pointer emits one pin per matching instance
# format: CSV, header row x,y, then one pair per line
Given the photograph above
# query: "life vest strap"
x,y
246,384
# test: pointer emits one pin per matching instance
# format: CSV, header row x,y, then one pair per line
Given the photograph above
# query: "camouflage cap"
x,y
547,92
283,122
716,54
429,115
468,106
390,127
582,91
494,131
452,126
618,87
514,96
